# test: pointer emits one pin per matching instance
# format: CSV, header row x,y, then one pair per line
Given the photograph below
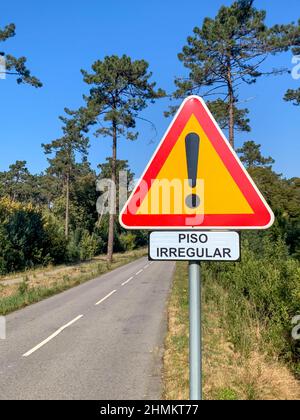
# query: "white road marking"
x,y
151,263
127,281
52,336
106,297
139,272
146,266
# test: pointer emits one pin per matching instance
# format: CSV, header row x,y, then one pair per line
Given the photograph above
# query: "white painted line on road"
x,y
52,336
139,272
146,266
106,297
127,281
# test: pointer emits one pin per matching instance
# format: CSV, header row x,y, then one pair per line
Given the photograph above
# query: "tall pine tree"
x,y
65,149
226,52
120,89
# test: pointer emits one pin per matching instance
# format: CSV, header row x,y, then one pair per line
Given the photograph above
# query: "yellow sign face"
x,y
218,191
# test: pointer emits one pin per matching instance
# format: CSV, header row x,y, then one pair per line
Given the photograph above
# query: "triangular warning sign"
x,y
195,180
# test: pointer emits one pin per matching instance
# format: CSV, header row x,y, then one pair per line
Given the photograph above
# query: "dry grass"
x,y
52,273
20,290
7,291
176,375
231,375
228,375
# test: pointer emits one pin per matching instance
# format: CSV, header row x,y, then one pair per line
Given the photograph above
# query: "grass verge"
x,y
229,374
40,284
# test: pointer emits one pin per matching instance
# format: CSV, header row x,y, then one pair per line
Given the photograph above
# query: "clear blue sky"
x,y
61,37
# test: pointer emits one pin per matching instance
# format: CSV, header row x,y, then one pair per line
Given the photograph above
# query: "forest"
x,y
52,218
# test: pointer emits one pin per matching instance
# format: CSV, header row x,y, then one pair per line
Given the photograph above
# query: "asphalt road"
x,y
100,340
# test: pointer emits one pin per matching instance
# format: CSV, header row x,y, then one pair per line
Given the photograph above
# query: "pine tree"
x,y
65,149
15,66
220,111
120,89
293,96
251,156
15,182
226,52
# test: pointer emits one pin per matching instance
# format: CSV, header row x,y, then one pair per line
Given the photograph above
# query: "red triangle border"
x,y
263,216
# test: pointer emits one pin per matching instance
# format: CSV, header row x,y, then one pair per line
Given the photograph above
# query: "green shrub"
x,y
72,251
82,246
55,241
226,394
127,241
88,246
28,237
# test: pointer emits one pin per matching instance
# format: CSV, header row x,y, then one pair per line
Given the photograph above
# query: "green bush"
x,y
28,237
72,251
82,246
31,236
127,241
88,246
55,242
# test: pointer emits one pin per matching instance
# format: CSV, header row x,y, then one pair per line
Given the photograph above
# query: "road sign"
x,y
194,246
195,180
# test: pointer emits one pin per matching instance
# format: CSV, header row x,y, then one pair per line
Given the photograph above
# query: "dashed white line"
x,y
106,297
52,336
127,281
57,332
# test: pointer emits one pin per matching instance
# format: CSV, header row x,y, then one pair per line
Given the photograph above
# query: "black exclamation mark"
x,y
192,144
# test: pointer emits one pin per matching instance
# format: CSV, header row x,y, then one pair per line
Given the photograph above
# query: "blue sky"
x,y
61,37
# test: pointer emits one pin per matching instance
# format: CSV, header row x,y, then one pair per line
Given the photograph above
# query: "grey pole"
x,y
195,331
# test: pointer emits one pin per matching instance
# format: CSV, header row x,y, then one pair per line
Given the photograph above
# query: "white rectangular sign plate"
x,y
194,246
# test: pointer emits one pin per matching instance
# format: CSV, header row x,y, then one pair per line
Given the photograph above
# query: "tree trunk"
x,y
231,122
231,102
67,205
110,245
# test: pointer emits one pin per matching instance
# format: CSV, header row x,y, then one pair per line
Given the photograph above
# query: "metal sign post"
x,y
195,331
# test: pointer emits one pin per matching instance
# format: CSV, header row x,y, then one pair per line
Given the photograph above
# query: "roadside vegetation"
x,y
22,289
248,307
32,236
248,350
